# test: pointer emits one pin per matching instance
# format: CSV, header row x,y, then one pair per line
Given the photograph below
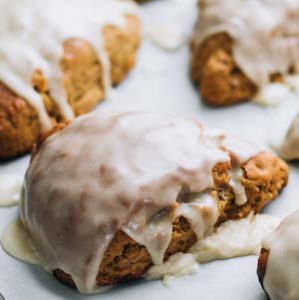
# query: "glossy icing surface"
x,y
120,171
282,272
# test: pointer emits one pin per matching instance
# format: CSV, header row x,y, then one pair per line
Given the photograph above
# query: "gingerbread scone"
x,y
114,193
238,47
58,60
278,265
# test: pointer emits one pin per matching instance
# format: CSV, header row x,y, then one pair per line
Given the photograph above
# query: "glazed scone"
x,y
235,53
79,67
114,193
278,265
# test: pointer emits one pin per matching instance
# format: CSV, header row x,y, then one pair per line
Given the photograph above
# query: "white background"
x,y
160,82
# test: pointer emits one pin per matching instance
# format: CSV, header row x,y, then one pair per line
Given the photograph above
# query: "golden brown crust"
x,y
264,176
262,265
218,77
122,58
82,78
126,259
17,120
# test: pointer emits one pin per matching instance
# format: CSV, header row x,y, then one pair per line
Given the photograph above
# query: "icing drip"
x,y
282,272
265,42
201,212
179,264
34,32
235,238
239,152
235,182
273,94
15,242
154,233
135,172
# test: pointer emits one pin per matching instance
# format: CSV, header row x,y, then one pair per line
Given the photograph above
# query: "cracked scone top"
x,y
265,34
121,171
32,35
282,271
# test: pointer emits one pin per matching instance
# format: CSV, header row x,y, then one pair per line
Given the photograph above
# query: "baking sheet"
x,y
160,83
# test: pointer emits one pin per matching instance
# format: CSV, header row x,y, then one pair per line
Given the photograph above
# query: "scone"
x,y
235,52
113,193
58,60
278,265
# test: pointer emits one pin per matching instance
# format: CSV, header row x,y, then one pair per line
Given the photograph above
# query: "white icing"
x,y
16,242
168,24
272,94
239,152
10,189
292,81
33,33
197,210
277,93
235,238
168,37
235,182
265,42
118,171
156,235
282,271
179,264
